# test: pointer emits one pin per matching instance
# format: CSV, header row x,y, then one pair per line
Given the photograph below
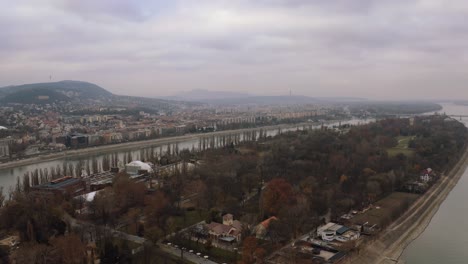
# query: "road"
x,y
138,240
390,243
192,257
125,146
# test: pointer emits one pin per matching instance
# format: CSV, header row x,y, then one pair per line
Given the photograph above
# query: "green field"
x,y
402,147
403,142
190,218
390,208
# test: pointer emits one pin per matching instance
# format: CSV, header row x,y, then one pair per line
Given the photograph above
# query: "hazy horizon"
x,y
369,49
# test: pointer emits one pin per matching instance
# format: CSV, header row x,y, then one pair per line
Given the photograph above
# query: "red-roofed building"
x,y
230,230
261,229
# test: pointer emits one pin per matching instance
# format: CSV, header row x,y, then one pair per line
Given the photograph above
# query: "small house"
x,y
229,231
427,175
261,230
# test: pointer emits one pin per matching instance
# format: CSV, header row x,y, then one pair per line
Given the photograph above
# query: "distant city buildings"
x,y
56,127
5,147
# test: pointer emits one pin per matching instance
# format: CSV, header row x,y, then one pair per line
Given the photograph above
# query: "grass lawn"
x,y
190,218
392,152
401,147
244,150
403,142
390,208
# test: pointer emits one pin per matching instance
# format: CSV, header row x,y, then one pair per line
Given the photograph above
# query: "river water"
x,y
8,177
445,239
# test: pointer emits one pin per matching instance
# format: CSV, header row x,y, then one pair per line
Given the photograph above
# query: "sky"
x,y
382,49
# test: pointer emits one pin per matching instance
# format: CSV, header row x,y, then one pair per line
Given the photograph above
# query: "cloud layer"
x,y
367,48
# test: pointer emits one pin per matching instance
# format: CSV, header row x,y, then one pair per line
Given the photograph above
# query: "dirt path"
x,y
390,244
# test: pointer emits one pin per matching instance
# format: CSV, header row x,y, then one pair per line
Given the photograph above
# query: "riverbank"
x,y
390,244
137,144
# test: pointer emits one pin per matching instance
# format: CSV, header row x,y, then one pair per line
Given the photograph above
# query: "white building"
x,y
4,147
332,231
134,167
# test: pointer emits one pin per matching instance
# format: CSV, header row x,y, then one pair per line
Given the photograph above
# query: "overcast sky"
x,y
363,48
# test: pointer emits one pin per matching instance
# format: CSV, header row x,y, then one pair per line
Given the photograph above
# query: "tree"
x,y
69,249
128,193
33,253
277,195
248,249
109,253
2,197
155,209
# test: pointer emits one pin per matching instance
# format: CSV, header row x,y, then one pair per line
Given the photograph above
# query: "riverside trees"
x,y
307,174
298,177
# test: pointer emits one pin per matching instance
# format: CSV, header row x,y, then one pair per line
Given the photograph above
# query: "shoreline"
x,y
137,144
390,244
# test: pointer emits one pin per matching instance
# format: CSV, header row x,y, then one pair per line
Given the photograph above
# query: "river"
x,y
445,240
8,177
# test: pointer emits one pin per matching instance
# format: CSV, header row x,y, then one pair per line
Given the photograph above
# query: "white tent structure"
x,y
134,167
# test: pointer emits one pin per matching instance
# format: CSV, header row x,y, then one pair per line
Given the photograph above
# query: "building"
x,y
10,241
77,140
261,230
229,231
58,188
4,147
138,167
332,231
427,175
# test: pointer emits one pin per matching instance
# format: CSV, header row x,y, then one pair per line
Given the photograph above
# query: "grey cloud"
x,y
314,46
114,8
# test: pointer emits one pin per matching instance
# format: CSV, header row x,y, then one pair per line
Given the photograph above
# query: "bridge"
x,y
458,116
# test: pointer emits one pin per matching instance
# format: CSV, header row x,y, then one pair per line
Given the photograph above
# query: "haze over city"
x,y
233,131
372,49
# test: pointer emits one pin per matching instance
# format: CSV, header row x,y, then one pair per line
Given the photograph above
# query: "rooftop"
x,y
59,183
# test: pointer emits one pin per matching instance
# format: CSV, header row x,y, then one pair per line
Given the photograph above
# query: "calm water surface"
x,y
8,177
444,241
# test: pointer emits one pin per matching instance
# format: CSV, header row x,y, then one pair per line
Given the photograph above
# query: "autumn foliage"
x,y
277,195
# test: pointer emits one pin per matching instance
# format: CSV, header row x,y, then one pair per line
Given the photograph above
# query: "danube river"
x,y
8,177
445,239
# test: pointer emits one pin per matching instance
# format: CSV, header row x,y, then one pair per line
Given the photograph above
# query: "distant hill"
x,y
56,91
342,99
36,96
234,98
200,95
79,92
263,100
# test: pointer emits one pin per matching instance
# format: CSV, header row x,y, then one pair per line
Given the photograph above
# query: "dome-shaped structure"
x,y
3,128
133,167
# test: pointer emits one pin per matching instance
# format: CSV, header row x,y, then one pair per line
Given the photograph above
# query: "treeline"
x,y
393,108
299,177
308,174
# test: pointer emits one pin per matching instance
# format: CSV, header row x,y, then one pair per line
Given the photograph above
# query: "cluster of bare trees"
x,y
297,177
